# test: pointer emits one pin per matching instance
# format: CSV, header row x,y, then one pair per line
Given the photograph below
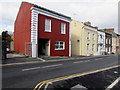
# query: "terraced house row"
x,y
39,31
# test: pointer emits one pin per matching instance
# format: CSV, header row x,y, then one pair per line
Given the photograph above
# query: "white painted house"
x,y
101,42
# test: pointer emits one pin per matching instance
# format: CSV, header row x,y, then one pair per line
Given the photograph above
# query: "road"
x,y
29,75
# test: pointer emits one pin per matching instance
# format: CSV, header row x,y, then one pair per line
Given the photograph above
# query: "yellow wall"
x,y
79,31
76,28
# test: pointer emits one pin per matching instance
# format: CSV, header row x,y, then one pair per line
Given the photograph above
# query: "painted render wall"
x,y
76,39
79,31
85,41
22,28
114,44
101,43
54,35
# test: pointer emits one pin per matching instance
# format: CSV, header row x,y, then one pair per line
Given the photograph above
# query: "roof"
x,y
51,11
90,26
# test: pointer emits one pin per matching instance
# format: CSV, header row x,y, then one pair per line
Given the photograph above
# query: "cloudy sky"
x,y
101,13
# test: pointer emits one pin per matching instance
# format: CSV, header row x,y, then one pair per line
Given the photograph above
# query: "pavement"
x,y
31,75
20,58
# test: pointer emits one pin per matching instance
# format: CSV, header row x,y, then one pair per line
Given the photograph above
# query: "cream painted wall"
x,y
114,44
79,31
76,28
90,41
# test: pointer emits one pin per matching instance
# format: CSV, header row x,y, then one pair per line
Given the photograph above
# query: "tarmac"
x,y
19,58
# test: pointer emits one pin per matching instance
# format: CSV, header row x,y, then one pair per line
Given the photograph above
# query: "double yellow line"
x,y
39,85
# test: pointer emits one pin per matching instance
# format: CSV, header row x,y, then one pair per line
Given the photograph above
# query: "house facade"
x,y
83,38
114,43
40,31
117,43
101,42
76,37
110,40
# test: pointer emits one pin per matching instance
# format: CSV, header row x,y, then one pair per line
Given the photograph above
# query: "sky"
x,y
101,13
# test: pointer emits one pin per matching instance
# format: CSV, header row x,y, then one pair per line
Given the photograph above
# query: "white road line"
x,y
30,68
113,84
41,59
98,58
86,60
78,62
52,66
41,67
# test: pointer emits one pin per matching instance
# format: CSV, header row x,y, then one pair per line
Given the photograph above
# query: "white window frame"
x,y
59,44
109,41
92,47
88,46
63,29
88,35
49,30
93,36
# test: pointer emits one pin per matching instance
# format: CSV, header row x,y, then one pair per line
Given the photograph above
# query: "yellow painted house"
x,y
83,38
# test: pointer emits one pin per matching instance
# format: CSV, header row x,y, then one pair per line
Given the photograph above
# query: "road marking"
x,y
41,59
30,68
48,61
86,60
78,62
82,61
41,67
39,85
98,58
52,66
113,84
47,85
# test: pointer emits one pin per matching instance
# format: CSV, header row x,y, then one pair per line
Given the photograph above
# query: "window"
x,y
92,47
100,36
87,47
88,37
47,25
59,45
109,41
63,28
93,36
106,41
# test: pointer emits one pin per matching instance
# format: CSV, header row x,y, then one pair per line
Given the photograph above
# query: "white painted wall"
x,y
101,42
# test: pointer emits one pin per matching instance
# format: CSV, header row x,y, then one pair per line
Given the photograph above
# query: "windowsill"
x,y
63,33
48,31
59,49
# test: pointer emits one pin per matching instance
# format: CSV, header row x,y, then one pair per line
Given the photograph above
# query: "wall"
x,y
22,28
85,41
101,48
54,35
114,44
76,29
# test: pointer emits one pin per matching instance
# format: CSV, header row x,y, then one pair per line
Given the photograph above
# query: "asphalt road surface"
x,y
29,75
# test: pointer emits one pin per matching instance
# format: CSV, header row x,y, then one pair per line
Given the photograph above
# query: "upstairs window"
x,y
63,28
93,36
59,45
88,36
47,25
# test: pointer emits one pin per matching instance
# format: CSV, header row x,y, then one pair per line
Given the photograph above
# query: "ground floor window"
x,y
59,45
87,47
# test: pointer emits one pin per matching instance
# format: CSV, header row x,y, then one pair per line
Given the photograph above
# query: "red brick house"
x,y
45,32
